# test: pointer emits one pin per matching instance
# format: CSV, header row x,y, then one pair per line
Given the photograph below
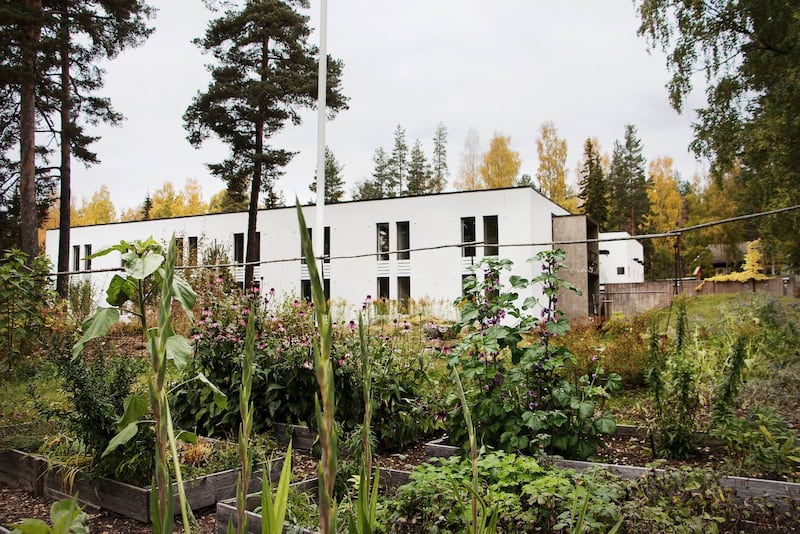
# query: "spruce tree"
x,y
593,185
265,73
419,175
334,183
398,163
439,170
628,202
381,183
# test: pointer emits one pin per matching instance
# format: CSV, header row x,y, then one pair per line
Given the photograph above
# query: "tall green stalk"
x,y
245,426
484,518
144,263
367,503
158,340
324,371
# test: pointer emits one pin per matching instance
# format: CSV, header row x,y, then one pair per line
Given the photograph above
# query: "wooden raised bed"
x,y
774,490
390,478
303,438
31,473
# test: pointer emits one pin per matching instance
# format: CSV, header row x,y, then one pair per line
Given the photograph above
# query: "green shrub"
x,y
524,388
25,295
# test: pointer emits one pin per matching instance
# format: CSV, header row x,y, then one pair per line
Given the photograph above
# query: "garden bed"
x,y
389,479
31,472
776,491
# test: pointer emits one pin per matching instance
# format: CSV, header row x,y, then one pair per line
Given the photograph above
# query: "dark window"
x,y
179,251
403,241
87,262
403,292
383,241
76,257
193,250
258,247
490,236
326,245
620,270
383,287
468,236
238,248
305,289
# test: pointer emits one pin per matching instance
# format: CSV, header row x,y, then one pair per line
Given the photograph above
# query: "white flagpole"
x,y
322,78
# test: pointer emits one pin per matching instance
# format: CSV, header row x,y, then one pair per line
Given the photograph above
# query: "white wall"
x,y
524,216
620,265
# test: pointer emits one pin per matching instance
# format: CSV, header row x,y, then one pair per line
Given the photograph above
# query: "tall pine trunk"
x,y
62,281
255,186
29,221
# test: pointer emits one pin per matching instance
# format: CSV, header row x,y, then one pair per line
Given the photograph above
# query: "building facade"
x,y
406,249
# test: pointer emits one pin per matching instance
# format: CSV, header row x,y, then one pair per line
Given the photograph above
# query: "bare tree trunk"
x,y
62,281
255,186
29,223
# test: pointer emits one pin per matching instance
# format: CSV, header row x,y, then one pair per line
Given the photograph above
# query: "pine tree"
x,y
439,170
419,174
628,202
398,163
593,185
381,183
265,73
87,31
334,183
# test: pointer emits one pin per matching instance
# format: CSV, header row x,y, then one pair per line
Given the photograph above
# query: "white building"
x,y
397,248
621,259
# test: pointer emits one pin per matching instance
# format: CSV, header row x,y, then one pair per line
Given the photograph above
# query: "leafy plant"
x,y
324,373
673,384
66,517
25,292
527,393
273,508
97,388
149,272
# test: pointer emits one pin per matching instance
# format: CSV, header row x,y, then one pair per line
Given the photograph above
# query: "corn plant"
x,y
367,503
66,517
245,427
484,517
324,372
149,271
273,509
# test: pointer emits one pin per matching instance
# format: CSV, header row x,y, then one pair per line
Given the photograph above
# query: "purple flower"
x,y
351,325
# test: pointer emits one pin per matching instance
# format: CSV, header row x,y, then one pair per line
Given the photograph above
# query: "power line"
x,y
542,244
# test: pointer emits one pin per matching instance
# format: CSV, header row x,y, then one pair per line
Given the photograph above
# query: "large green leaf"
x,y
220,399
135,408
140,267
184,294
123,436
606,424
178,350
67,517
96,326
32,526
120,290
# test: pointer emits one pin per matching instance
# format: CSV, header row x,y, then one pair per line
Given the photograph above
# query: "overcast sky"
x,y
492,66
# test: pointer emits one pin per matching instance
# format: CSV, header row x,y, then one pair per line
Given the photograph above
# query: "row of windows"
x,y
179,260
76,257
491,236
403,230
491,239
